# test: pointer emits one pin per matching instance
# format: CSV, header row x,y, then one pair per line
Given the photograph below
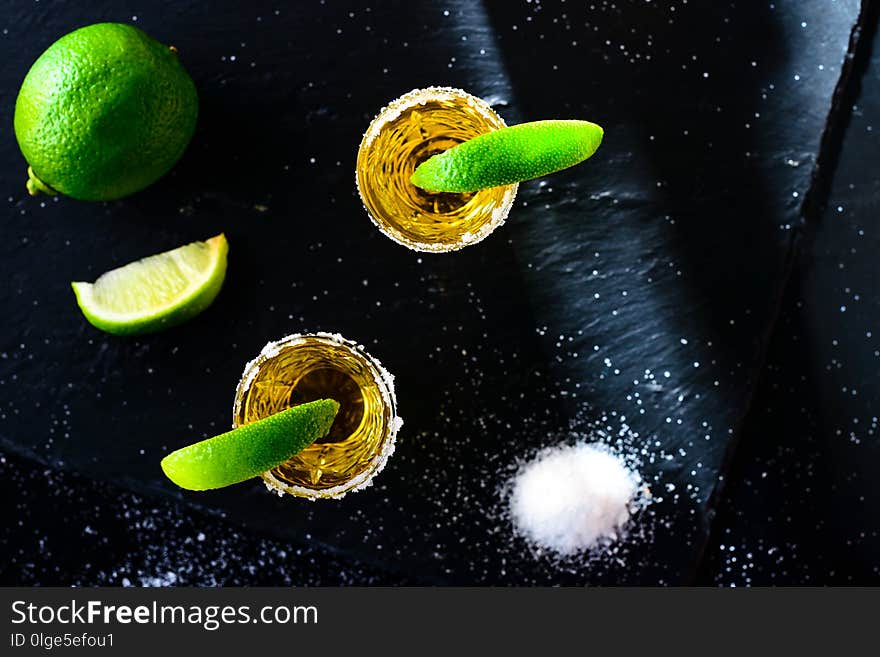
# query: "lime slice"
x,y
249,450
157,292
509,155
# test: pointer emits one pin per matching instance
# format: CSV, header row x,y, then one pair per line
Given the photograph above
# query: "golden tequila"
x,y
302,368
407,132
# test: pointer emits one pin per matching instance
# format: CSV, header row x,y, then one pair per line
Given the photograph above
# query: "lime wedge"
x,y
509,155
249,450
157,292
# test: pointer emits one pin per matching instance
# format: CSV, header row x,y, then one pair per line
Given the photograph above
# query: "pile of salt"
x,y
573,498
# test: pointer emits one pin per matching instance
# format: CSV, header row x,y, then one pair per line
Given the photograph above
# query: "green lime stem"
x,y
35,185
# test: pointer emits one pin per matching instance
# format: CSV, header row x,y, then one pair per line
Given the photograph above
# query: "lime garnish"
x,y
509,155
156,292
250,450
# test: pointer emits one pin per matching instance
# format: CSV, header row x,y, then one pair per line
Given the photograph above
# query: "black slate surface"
x,y
803,506
628,299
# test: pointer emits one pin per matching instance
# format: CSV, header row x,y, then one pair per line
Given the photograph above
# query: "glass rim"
x,y
384,381
392,111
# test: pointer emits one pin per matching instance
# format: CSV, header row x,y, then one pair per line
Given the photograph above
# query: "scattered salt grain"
x,y
573,498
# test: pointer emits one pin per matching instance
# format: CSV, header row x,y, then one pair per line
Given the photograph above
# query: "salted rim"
x,y
393,110
384,381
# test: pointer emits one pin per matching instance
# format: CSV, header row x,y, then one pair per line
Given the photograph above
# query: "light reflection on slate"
x,y
663,254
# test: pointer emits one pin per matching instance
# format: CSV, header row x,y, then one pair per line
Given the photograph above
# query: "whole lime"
x,y
103,113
